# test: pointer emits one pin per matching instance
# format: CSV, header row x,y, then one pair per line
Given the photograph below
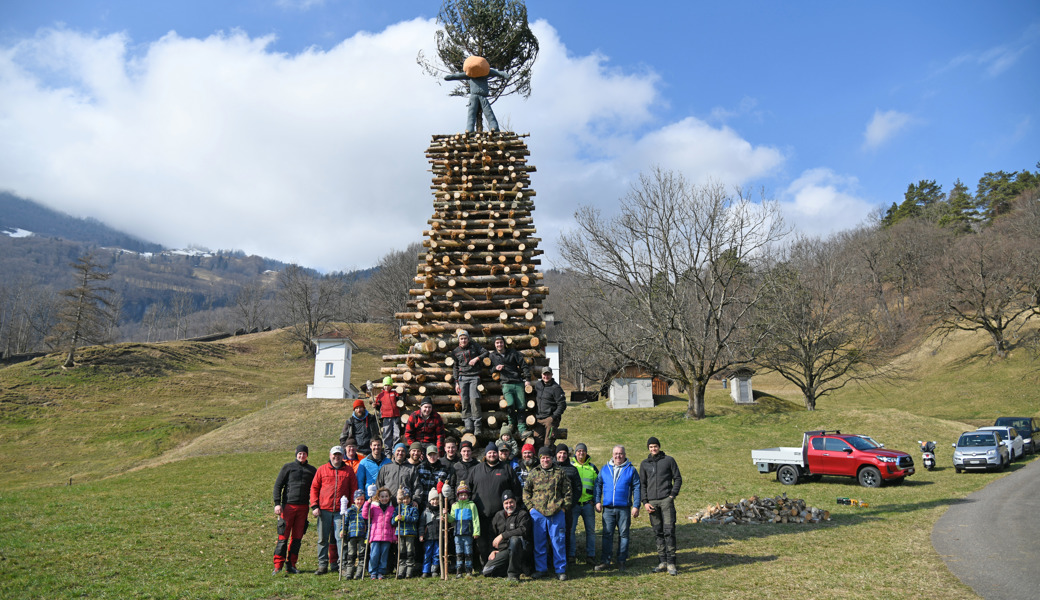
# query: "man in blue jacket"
x,y
617,497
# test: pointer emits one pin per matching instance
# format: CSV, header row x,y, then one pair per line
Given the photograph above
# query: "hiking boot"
x,y
427,575
672,570
279,570
562,577
660,568
512,579
538,575
348,572
359,573
292,570
601,567
322,570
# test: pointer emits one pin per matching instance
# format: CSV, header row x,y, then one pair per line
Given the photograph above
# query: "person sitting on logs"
x,y
549,404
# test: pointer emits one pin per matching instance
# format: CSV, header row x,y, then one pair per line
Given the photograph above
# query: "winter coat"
x,y
429,475
368,472
510,526
362,430
386,404
293,484
380,521
514,367
488,484
547,490
462,356
354,523
410,524
464,514
330,484
430,524
618,486
425,431
659,476
549,400
573,478
394,476
463,472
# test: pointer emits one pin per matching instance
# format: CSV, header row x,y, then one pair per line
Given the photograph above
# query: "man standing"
x,y
660,478
528,461
385,405
465,464
465,368
549,404
332,481
511,545
546,493
292,490
361,426
583,508
563,462
368,468
431,472
491,479
451,453
400,473
425,426
513,374
617,497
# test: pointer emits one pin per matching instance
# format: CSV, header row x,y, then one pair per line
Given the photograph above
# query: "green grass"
x,y
191,516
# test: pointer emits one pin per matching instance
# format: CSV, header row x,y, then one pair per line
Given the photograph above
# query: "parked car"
x,y
1026,427
834,453
980,450
1010,438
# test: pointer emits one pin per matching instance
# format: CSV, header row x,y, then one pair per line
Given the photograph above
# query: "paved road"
x,y
991,539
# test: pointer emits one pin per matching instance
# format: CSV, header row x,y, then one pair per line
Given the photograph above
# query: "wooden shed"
x,y
635,387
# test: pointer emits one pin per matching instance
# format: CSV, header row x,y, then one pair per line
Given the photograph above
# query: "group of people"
x,y
507,516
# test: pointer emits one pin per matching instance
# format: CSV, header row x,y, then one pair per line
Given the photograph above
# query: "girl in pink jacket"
x,y
380,517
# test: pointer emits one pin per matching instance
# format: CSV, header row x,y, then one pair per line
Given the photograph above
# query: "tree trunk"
x,y
695,409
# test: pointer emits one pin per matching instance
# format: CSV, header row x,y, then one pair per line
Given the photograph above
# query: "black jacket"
x,y
488,485
463,471
293,484
462,356
516,524
574,478
549,400
362,430
659,477
514,367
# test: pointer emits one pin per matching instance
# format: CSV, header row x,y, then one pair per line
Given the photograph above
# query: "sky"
x,y
296,129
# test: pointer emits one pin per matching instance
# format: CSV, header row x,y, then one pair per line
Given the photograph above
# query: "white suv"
x,y
1010,438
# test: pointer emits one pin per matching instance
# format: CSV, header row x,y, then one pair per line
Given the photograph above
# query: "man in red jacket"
x,y
332,481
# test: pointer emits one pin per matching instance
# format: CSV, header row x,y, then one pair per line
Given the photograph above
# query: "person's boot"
x,y
348,572
672,570
660,568
322,569
292,570
279,570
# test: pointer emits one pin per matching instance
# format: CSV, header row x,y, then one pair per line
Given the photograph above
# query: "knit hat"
x,y
562,448
371,490
359,403
527,447
431,449
581,446
426,401
416,446
652,442
302,448
404,492
359,494
399,445
508,495
491,447
461,333
432,495
388,380
545,451
462,488
350,442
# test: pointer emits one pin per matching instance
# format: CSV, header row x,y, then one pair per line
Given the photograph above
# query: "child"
x,y
507,436
430,535
467,528
407,530
355,532
380,515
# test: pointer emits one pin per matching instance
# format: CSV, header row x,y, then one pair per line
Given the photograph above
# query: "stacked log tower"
x,y
477,273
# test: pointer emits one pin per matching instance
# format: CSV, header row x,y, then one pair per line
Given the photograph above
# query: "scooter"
x,y
927,454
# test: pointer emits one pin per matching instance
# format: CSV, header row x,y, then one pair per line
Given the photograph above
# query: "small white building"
x,y
633,387
332,367
740,386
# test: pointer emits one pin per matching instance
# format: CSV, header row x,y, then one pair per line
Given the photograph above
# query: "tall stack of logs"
x,y
477,273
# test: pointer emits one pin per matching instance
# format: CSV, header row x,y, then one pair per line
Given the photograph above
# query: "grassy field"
x,y
184,512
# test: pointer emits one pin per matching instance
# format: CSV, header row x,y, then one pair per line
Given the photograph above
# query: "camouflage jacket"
x,y
547,490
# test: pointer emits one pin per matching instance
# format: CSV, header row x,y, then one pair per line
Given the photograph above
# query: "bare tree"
x,y
585,360
309,304
387,289
252,309
678,275
87,312
983,284
817,334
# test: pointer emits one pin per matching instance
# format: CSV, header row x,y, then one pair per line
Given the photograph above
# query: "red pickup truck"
x,y
834,453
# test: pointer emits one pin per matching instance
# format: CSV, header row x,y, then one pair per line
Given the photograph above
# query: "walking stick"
x,y
364,554
442,534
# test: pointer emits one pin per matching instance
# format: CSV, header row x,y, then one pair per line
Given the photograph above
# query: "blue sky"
x,y
296,129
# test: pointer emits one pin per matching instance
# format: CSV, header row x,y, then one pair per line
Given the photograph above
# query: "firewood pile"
x,y
755,510
477,271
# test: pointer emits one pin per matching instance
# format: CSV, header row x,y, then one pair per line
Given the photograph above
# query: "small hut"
x,y
635,387
332,367
740,385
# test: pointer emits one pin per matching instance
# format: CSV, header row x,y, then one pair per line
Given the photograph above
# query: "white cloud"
x,y
821,202
883,126
317,156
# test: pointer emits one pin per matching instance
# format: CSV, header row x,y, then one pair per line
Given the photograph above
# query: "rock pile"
x,y
755,510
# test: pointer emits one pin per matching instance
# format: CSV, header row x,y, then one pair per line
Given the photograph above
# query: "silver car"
x,y
980,450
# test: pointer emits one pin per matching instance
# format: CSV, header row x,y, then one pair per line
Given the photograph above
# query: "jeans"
x,y
662,519
619,517
464,553
378,553
478,102
587,513
330,523
549,530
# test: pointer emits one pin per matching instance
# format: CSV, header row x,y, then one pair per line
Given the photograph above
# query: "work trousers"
x,y
509,561
291,526
470,394
549,530
513,393
662,519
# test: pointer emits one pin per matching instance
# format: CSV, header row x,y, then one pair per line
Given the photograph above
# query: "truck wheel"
x,y
869,477
787,475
